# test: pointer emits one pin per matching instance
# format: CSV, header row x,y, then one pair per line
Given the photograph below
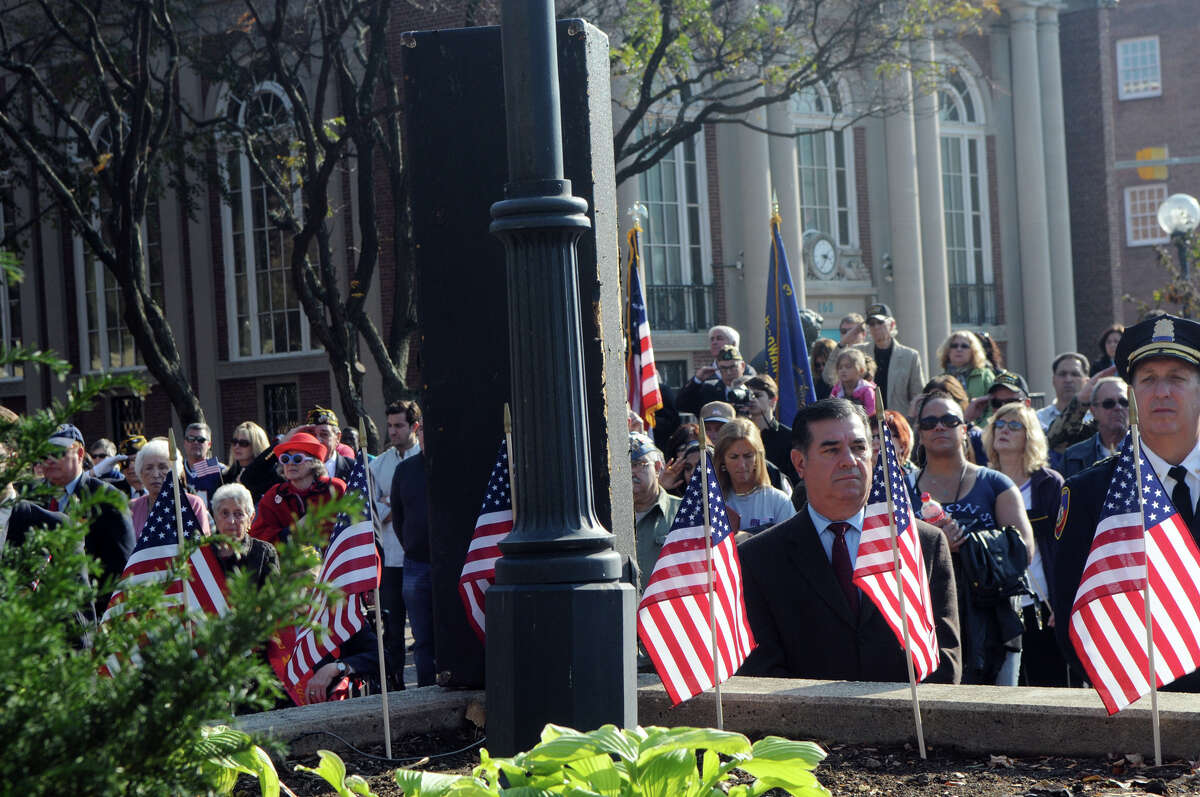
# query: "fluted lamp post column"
x,y
560,623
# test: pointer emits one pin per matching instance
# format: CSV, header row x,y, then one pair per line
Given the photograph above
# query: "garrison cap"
x,y
1158,336
728,353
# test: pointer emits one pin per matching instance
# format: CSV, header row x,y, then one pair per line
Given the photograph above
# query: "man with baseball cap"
x,y
323,425
898,370
1160,359
110,535
701,390
653,507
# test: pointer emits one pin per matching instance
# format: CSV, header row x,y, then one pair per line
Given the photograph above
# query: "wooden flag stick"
x,y
891,504
177,480
1135,431
708,569
371,513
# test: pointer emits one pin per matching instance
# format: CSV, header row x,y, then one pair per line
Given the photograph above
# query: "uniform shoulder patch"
x,y
1064,506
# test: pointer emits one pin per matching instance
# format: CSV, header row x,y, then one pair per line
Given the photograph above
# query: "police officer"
x,y
1160,359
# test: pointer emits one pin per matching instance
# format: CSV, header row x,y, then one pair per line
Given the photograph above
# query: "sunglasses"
x,y
949,421
196,439
1016,426
1109,403
997,403
239,442
294,459
960,345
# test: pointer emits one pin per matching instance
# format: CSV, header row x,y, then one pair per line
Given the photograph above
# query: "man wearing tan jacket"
x,y
898,368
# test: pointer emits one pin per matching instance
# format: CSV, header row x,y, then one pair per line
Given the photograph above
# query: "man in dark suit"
x,y
110,537
808,618
705,387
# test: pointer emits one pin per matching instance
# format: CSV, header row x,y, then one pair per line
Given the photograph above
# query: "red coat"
x,y
283,504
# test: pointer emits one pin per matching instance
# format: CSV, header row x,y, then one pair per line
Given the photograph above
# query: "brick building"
x,y
1132,73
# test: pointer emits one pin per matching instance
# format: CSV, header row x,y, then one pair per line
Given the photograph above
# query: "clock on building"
x,y
820,254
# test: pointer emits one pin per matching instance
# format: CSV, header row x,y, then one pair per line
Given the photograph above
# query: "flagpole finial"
x,y
639,212
775,217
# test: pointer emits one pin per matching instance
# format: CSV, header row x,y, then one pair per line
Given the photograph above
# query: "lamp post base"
x,y
561,653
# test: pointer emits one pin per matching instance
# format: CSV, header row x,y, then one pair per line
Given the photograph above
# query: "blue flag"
x,y
787,351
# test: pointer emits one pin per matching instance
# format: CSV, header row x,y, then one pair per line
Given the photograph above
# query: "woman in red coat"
x,y
307,484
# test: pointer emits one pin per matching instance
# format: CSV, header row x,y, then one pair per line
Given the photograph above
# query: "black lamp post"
x,y
560,622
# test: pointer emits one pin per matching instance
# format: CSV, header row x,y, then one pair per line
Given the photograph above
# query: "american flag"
x,y
351,564
158,546
673,617
645,397
206,468
875,566
1108,617
494,523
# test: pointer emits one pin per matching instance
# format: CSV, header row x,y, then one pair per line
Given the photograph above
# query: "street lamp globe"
x,y
1179,214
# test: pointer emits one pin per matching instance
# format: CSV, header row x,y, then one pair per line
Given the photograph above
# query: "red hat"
x,y
304,443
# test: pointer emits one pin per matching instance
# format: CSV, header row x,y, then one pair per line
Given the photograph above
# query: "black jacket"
x,y
257,477
803,623
410,507
27,516
110,538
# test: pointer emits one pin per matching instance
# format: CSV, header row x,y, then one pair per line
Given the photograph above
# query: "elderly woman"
x,y
233,512
306,484
963,357
741,466
251,461
1017,448
153,467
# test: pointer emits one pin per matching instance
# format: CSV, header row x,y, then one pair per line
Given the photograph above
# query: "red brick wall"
x,y
156,409
239,403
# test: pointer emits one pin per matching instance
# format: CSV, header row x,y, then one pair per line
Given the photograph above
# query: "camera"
x,y
741,399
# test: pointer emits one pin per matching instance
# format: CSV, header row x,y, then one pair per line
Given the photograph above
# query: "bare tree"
x,y
678,65
88,100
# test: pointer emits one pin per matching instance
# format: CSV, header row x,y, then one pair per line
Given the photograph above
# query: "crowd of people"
x,y
255,499
987,465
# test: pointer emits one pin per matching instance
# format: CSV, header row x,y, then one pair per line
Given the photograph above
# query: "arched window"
x,y
264,311
676,252
105,343
825,165
965,202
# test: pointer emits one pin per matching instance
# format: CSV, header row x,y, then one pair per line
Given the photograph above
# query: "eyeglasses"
x,y
193,438
997,403
846,330
1109,403
727,367
960,345
1016,426
238,442
294,459
949,421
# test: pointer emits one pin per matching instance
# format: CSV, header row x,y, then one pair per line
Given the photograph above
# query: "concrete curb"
x,y
1017,721
359,721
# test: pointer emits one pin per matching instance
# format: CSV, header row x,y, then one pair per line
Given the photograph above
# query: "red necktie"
x,y
841,564
53,504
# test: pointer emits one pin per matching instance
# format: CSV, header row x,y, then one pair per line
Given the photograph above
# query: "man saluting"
x,y
1160,359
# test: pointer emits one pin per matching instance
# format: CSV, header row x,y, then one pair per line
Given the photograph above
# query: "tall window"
x,y
825,165
964,197
10,315
1139,71
106,344
675,245
281,401
264,310
1141,215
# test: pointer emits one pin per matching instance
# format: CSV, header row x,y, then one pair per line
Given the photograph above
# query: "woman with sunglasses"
x,y
974,499
306,484
963,357
252,462
1017,447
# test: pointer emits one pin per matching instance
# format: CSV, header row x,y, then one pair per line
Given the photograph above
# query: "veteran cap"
x,y
320,415
729,352
1012,381
879,312
717,412
1158,336
640,446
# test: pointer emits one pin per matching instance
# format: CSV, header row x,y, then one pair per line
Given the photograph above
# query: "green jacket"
x,y
651,532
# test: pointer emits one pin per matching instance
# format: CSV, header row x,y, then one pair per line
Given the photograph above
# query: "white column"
x,y
933,220
904,215
1006,193
1062,276
786,185
1036,286
745,223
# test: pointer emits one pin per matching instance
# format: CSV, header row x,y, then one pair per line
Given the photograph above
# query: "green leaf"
x,y
659,740
781,763
436,784
668,774
600,773
333,771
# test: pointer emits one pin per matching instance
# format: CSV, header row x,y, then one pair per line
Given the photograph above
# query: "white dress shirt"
x,y
1191,464
382,469
827,536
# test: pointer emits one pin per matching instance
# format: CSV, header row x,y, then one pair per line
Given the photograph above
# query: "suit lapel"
x,y
809,560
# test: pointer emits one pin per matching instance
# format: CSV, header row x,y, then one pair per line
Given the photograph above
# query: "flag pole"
x,y
1135,433
176,477
708,570
383,684
887,484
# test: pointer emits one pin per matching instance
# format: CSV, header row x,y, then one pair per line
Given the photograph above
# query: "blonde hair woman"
x,y
251,461
741,464
963,357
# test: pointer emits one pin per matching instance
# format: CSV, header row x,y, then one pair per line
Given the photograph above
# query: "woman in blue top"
x,y
975,498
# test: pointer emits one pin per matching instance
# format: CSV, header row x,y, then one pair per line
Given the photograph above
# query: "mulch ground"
x,y
849,770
